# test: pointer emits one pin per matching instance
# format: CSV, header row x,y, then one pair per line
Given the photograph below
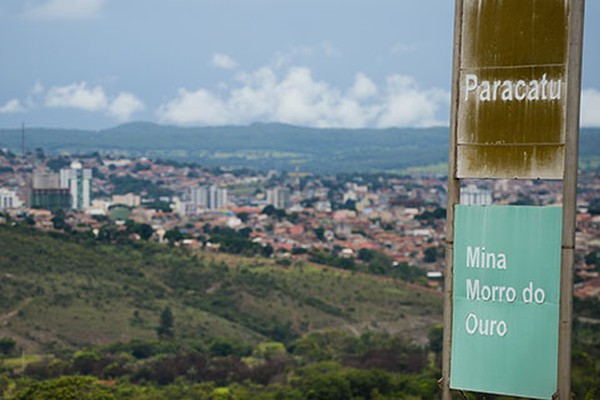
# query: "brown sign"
x,y
512,89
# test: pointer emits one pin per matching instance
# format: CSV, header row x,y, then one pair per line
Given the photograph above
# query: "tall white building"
x,y
279,198
9,199
79,182
209,197
473,196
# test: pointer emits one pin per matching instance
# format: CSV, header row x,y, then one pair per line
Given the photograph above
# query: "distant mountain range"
x,y
265,146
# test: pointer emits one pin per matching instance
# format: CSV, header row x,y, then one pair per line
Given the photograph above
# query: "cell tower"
x,y
23,138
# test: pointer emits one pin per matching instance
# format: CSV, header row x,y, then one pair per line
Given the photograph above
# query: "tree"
x,y
174,235
366,255
430,254
7,345
594,208
267,251
64,388
165,329
320,232
243,216
58,221
144,230
436,342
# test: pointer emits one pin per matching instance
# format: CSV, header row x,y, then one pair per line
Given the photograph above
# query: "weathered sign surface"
x,y
512,90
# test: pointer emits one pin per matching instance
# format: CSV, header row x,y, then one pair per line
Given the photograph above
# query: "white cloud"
x,y
363,87
188,107
406,104
82,97
294,96
590,108
12,106
124,105
77,95
65,10
224,61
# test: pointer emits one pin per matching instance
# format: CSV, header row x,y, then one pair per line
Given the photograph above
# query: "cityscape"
x,y
288,216
299,200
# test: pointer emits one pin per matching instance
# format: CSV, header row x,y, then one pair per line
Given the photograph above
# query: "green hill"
x,y
55,294
259,146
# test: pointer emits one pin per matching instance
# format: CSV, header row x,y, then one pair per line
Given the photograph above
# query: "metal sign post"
x,y
515,114
570,197
452,199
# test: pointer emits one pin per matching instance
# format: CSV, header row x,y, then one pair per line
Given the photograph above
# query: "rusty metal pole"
x,y
452,199
570,197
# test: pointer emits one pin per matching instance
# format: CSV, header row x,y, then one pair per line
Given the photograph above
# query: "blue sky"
x,y
333,63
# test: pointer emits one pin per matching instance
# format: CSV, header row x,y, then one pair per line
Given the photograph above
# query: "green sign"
x,y
506,300
512,90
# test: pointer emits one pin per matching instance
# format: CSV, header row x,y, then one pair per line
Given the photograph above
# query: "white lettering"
x,y
471,85
501,261
484,93
478,258
511,294
486,293
555,90
534,91
502,329
544,83
520,90
507,92
471,323
497,84
477,291
473,257
539,295
543,89
528,293
485,327
473,289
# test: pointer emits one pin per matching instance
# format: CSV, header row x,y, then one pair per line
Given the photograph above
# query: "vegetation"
x,y
70,290
134,320
371,262
270,146
128,184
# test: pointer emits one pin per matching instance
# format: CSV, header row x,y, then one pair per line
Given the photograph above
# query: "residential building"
x,y
474,196
279,198
129,199
209,197
46,193
9,199
79,182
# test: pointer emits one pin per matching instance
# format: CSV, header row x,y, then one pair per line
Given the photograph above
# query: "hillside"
x,y
265,146
260,146
55,294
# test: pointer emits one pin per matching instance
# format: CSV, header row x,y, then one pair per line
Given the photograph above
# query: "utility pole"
x,y
23,138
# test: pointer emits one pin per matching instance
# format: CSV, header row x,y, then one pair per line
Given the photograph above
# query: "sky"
x,y
94,64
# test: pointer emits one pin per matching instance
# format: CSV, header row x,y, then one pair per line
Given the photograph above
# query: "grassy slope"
x,y
55,293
